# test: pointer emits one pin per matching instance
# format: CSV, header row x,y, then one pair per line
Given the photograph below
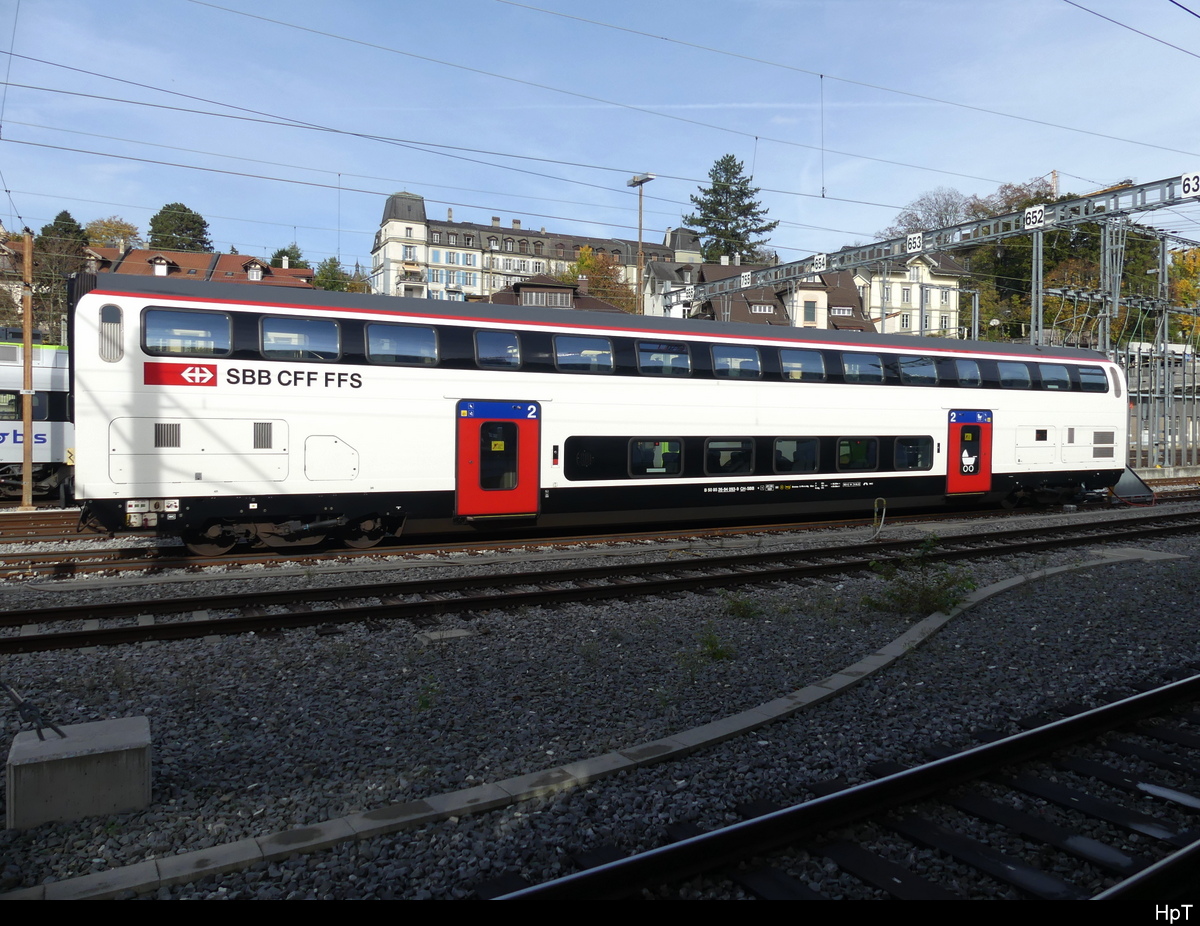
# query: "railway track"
x,y
1017,817
148,620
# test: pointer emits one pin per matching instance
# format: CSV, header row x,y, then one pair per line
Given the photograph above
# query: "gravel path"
x,y
254,735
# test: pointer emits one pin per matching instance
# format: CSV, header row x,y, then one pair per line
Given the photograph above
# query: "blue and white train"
x,y
225,412
53,434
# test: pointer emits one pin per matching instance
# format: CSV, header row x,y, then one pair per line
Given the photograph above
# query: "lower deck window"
x,y
796,454
728,457
858,453
655,457
914,453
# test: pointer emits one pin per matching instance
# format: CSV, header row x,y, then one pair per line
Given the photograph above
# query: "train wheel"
x,y
202,544
363,534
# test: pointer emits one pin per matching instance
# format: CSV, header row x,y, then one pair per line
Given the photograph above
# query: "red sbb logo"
x,y
179,374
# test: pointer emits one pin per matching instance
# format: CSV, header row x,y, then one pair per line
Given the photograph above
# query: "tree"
x,y
331,276
175,227
728,217
292,253
58,251
113,232
603,278
932,209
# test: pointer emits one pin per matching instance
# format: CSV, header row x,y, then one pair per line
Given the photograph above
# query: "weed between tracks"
x,y
918,585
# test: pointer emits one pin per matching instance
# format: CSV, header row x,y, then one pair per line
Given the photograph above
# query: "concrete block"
x,y
100,768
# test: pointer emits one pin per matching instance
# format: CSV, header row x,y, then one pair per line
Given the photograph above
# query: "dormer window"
x,y
254,273
160,269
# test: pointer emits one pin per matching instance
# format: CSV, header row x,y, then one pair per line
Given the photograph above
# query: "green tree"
x,y
113,232
728,217
331,276
292,253
603,278
57,252
175,227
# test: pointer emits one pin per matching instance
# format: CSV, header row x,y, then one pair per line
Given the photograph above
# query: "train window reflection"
x,y
576,354
736,362
167,331
1014,375
804,365
497,349
918,371
404,345
660,359
862,368
1054,376
1092,379
300,339
968,373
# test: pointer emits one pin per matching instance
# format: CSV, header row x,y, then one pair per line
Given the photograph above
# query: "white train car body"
x,y
220,412
53,434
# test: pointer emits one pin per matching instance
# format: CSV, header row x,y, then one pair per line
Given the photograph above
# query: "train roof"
x,y
326,301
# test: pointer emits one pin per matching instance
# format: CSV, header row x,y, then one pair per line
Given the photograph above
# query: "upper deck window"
x,y
918,371
736,362
862,368
579,354
1014,375
657,358
804,365
194,334
403,345
1092,379
300,339
497,349
1054,376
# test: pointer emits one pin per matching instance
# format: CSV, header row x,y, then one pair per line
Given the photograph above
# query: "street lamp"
x,y
639,181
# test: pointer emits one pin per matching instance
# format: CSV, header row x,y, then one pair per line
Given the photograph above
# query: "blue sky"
x,y
543,118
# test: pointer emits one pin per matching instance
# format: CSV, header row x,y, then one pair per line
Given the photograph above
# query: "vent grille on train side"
x,y
167,435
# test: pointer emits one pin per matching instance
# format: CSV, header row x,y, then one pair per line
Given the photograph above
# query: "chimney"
x,y
583,284
449,215
495,221
284,262
737,260
516,224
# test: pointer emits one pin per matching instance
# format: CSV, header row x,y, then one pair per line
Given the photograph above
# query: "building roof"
x,y
511,295
197,265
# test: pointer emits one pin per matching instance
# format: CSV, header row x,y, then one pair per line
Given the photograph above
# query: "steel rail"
x,y
726,847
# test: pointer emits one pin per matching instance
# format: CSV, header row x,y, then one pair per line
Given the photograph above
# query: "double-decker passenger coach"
x,y
226,412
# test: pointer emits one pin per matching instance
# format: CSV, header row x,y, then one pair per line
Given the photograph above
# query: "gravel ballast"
x,y
253,735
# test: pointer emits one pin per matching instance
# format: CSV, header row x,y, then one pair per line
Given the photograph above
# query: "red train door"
x,y
497,459
969,466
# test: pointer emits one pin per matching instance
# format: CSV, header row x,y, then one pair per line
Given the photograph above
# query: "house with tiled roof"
x,y
196,265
